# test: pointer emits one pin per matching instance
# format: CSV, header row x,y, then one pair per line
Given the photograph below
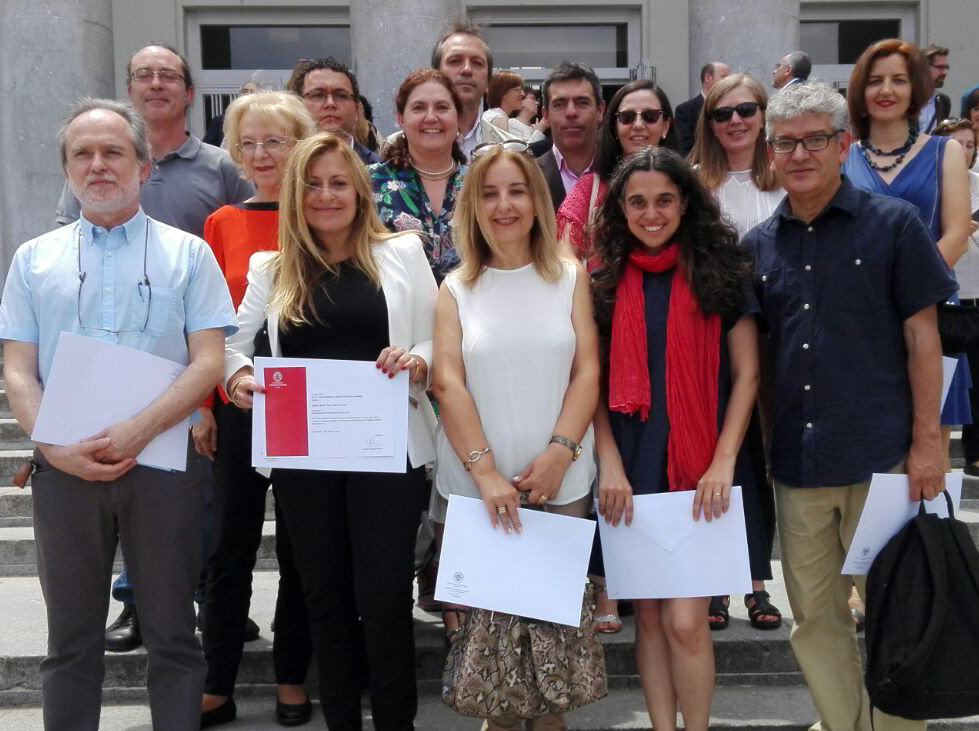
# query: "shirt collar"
x,y
847,199
134,228
188,150
474,130
562,165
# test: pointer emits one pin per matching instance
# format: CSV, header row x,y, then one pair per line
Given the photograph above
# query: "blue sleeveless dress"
x,y
920,183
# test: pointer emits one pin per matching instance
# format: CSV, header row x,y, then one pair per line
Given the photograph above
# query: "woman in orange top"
x,y
260,130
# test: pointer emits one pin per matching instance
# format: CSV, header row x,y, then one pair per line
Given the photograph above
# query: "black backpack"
x,y
923,621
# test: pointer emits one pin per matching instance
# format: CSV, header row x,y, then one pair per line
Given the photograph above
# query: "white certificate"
x,y
318,414
538,573
948,370
94,384
888,509
666,554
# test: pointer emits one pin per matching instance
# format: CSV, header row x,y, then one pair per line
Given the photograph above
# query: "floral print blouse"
x,y
404,206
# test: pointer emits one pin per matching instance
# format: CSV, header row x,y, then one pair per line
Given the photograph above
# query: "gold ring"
x,y
717,494
501,510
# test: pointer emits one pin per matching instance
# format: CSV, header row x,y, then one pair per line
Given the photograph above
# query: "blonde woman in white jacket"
x,y
342,287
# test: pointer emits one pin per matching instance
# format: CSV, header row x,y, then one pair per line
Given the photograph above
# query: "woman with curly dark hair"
x,y
681,376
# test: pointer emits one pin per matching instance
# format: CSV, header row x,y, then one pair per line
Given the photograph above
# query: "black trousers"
x,y
354,539
239,512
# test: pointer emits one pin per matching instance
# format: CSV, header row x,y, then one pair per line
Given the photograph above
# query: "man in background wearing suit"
x,y
939,106
686,114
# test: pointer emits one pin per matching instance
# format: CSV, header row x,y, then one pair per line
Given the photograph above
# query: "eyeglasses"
x,y
812,143
144,282
319,96
484,148
745,110
649,116
145,75
941,67
273,146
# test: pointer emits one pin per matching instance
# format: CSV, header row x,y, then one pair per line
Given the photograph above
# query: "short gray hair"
x,y
809,97
137,127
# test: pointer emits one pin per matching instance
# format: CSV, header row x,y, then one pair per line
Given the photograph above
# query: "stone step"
x,y
11,459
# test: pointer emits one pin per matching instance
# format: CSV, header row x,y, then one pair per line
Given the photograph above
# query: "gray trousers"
x,y
157,517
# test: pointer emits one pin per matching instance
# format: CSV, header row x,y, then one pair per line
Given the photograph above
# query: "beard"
x,y
110,199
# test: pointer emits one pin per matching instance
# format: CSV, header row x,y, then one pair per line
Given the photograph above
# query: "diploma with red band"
x,y
339,415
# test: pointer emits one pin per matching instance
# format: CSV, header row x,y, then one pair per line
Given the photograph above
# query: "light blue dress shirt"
x,y
41,295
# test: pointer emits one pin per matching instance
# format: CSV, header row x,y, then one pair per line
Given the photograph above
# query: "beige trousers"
x,y
816,526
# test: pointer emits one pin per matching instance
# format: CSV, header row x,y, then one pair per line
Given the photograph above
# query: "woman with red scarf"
x,y
681,367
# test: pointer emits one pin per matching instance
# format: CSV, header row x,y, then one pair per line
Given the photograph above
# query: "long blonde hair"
x,y
301,260
708,152
472,232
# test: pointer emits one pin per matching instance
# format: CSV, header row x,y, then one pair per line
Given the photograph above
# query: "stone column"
x,y
390,39
51,52
748,35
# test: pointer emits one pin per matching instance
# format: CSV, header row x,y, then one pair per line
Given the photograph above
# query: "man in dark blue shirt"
x,y
846,283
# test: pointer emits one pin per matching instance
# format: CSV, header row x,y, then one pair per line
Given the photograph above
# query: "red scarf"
x,y
693,358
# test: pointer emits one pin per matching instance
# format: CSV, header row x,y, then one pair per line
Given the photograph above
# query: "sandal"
x,y
607,624
761,609
462,616
718,616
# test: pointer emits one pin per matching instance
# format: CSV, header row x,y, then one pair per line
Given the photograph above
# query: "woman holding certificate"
x,y
516,353
342,287
681,367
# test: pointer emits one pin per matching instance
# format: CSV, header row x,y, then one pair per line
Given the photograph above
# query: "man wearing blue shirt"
x,y
119,276
846,283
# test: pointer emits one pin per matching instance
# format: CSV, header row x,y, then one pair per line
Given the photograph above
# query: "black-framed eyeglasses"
x,y
319,96
812,143
745,110
484,148
649,116
142,284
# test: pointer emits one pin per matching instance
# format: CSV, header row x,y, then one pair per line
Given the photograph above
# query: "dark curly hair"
x,y
716,265
609,148
307,65
397,151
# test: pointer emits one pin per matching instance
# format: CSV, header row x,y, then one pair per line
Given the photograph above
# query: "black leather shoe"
x,y
123,634
251,630
225,713
293,714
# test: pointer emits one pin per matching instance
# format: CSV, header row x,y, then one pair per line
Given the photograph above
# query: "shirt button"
x,y
808,387
857,262
808,268
808,425
809,229
805,346
764,277
805,306
108,254
107,290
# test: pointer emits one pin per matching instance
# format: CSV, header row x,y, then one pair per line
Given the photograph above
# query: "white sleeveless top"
x,y
743,204
517,347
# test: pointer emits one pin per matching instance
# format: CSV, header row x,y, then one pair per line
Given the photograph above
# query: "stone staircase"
x,y
759,683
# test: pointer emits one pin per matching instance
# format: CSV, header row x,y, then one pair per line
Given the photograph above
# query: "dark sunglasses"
x,y
649,116
744,110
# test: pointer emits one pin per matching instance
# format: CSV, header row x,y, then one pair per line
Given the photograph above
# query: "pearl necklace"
x,y
429,175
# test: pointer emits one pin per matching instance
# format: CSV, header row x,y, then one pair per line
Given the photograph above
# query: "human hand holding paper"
x,y
713,494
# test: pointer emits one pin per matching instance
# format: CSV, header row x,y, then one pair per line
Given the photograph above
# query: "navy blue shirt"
x,y
834,295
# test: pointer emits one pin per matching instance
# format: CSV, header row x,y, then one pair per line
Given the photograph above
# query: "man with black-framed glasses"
x,y
119,276
845,283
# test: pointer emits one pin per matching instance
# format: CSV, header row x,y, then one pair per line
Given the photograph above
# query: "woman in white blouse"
x,y
342,287
730,155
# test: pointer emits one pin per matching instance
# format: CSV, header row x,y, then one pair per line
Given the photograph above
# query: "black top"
x,y
353,320
834,295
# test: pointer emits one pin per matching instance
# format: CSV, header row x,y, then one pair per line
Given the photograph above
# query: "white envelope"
x,y
539,573
665,554
888,509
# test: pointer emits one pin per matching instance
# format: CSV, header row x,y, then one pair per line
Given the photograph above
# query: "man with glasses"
x,y
188,180
846,284
938,106
330,92
118,276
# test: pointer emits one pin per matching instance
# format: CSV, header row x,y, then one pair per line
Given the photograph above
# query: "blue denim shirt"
x,y
834,295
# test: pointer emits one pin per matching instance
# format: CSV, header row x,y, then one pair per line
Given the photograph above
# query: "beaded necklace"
x,y
900,153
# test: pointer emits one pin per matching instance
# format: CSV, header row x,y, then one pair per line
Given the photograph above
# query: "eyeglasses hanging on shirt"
x,y
143,288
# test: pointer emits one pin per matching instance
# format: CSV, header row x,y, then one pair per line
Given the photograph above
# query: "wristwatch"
x,y
565,442
474,457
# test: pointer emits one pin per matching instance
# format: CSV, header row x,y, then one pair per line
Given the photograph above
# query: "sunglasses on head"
x,y
649,116
744,110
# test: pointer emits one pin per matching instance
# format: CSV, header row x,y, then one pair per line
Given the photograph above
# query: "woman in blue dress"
x,y
681,376
889,85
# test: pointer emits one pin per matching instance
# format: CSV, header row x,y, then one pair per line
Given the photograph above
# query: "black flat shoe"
x,y
251,630
225,713
293,714
123,635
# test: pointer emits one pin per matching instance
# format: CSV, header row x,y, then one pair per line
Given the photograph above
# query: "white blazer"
x,y
410,293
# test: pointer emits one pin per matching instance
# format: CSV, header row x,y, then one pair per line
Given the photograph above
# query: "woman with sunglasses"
x,y
889,83
732,160
638,116
416,186
675,409
260,129
524,123
342,287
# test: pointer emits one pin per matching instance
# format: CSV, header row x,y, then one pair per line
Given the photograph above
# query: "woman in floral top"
x,y
416,187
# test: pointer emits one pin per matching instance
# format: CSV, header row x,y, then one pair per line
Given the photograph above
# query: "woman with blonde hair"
x,y
343,287
731,157
261,129
515,307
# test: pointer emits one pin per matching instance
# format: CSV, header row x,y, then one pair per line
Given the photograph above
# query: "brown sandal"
x,y
462,616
